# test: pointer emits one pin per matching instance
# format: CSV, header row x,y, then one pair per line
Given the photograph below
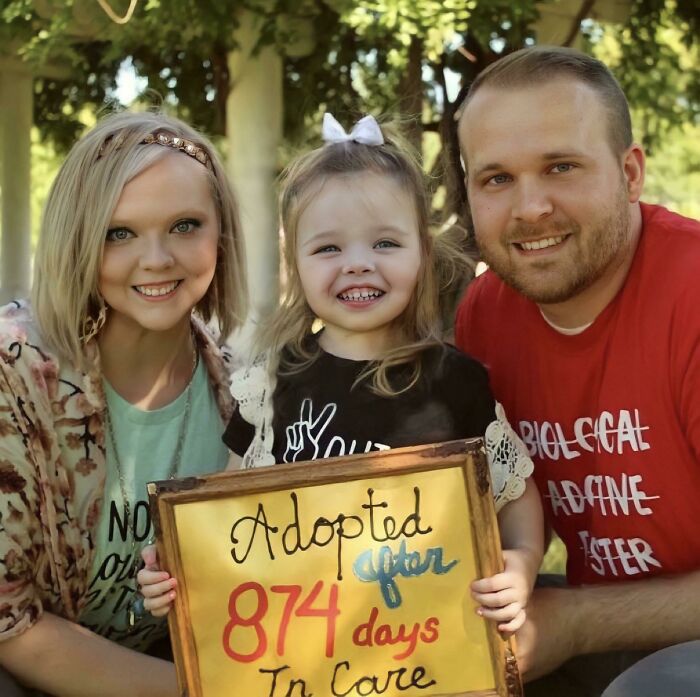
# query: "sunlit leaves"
x,y
350,56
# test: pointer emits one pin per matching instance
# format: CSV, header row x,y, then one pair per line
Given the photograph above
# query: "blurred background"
x,y
257,76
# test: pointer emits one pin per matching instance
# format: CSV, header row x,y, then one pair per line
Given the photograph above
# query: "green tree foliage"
x,y
385,56
673,171
656,58
71,74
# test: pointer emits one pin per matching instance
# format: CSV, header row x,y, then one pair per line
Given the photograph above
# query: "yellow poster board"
x,y
348,577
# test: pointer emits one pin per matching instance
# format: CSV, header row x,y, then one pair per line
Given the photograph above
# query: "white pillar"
x,y
555,22
16,98
254,132
557,18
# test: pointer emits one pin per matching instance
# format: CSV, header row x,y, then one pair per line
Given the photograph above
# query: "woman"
x,y
109,380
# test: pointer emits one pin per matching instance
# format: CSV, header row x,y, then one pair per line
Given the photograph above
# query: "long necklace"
x,y
135,609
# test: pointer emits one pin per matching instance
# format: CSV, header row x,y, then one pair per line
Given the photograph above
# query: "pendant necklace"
x,y
135,609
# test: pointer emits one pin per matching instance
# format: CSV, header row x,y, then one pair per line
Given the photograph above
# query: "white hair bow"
x,y
365,131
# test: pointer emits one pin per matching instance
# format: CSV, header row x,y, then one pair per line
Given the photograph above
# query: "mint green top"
x,y
146,442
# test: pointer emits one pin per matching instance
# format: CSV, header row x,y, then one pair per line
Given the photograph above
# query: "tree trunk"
x,y
412,93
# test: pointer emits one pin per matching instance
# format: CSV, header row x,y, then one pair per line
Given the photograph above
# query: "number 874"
x,y
292,605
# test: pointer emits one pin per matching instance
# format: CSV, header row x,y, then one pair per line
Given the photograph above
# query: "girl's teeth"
x,y
361,294
163,290
542,244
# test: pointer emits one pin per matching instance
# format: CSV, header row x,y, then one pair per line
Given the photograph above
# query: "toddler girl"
x,y
361,259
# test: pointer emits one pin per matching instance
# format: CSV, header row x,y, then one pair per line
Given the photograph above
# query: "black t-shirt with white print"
x,y
318,413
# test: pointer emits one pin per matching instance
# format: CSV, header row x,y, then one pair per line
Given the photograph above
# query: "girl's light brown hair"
x,y
419,324
76,218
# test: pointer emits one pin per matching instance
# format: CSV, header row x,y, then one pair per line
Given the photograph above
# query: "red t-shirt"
x,y
611,416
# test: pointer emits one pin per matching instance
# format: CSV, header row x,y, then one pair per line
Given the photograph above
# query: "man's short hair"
x,y
539,64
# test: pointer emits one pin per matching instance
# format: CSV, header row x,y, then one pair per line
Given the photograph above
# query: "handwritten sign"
x,y
343,578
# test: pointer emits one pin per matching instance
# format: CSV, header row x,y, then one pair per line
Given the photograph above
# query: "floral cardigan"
x,y
52,469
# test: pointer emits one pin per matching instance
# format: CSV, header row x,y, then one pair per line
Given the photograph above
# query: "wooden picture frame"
x,y
224,620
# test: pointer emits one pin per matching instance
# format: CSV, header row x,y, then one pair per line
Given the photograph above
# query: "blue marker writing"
x,y
389,565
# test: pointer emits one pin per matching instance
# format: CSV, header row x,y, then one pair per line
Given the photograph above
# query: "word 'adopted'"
x,y
293,540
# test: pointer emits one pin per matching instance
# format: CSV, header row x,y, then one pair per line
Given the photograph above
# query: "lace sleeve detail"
x,y
252,388
509,462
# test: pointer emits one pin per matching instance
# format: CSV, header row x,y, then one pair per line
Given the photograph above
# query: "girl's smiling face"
x,y
160,252
358,256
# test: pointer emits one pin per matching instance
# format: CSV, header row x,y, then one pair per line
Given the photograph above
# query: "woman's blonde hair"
x,y
76,217
285,334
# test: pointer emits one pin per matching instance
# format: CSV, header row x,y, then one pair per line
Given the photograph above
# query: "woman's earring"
x,y
92,325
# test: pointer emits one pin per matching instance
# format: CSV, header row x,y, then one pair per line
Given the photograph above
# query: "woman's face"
x,y
160,252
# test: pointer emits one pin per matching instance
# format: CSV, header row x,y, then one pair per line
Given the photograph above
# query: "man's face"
x,y
548,197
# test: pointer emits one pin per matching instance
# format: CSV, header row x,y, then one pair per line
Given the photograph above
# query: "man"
x,y
589,324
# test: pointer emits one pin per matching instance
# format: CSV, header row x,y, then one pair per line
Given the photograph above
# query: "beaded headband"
x,y
187,146
165,139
